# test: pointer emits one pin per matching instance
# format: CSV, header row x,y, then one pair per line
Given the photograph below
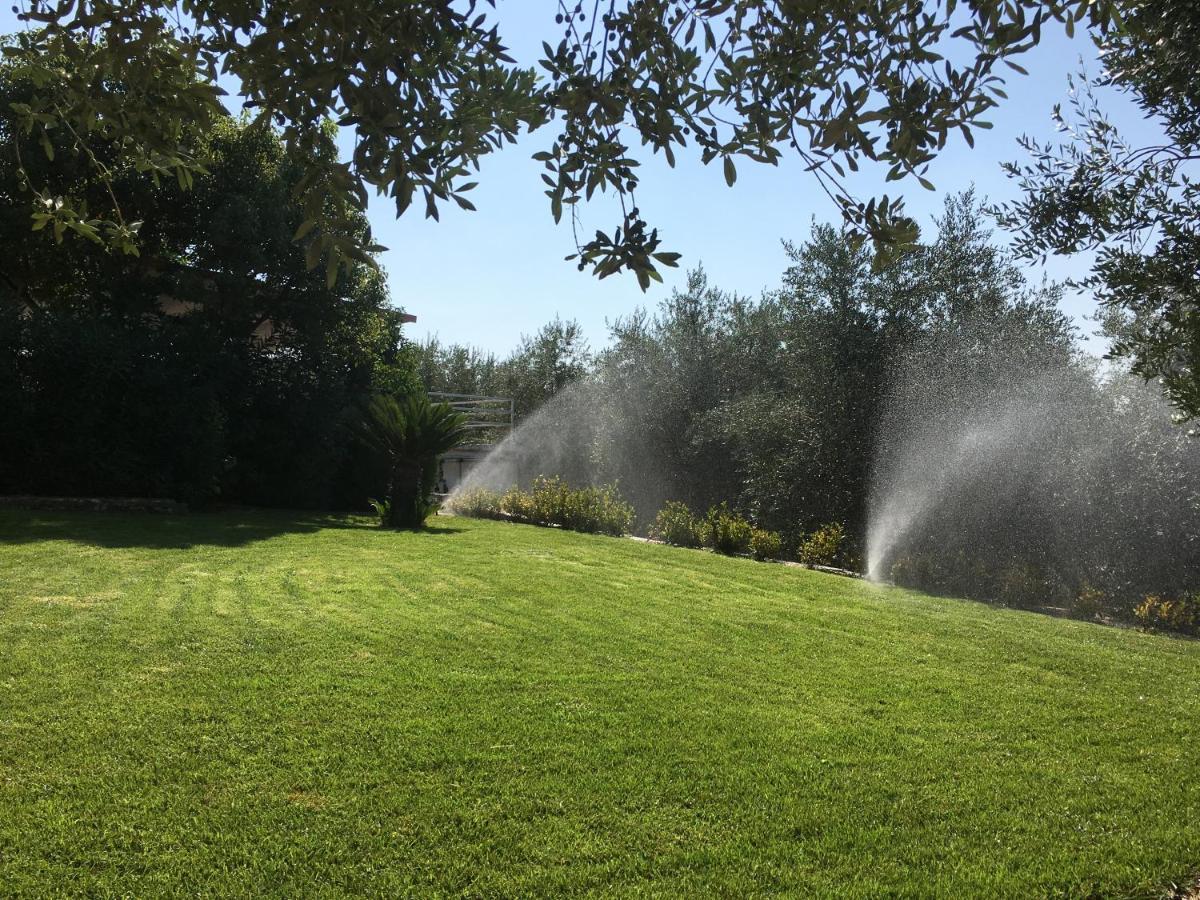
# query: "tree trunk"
x,y
407,506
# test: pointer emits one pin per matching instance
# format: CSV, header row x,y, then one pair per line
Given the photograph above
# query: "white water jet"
x,y
932,465
580,436
552,441
998,465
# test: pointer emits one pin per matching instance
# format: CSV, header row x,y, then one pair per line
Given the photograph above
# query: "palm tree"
x,y
411,433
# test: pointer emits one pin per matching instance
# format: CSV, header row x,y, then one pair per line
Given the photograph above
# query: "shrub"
x,y
726,531
382,508
911,570
551,501
598,510
518,506
946,571
676,525
477,503
409,433
823,546
93,403
1089,603
765,544
1021,585
1158,612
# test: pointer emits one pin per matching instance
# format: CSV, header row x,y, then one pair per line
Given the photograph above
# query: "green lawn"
x,y
280,704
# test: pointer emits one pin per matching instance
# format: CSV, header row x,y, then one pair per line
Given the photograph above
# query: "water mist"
x,y
1047,471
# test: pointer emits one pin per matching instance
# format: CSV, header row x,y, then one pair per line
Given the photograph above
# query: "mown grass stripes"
x,y
277,704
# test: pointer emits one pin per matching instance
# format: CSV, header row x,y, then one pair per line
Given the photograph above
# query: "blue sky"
x,y
484,278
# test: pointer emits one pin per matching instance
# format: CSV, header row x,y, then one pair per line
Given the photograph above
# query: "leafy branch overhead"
x,y
1136,206
428,88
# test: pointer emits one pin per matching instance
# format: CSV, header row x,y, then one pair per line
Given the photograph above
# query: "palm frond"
x,y
408,427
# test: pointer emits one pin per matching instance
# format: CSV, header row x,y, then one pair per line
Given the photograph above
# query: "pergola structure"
x,y
489,421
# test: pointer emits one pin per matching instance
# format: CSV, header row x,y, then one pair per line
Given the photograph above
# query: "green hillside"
x,y
274,704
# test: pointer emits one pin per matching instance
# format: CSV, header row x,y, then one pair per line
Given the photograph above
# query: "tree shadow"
x,y
439,529
155,531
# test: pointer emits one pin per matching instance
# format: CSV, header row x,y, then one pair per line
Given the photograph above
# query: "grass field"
x,y
274,704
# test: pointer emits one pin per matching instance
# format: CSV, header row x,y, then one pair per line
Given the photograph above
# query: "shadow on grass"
x,y
226,528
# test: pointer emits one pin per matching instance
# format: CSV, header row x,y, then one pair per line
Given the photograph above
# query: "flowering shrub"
x,y
823,546
676,525
1182,614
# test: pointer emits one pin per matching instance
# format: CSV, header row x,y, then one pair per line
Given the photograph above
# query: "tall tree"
x,y
773,404
544,363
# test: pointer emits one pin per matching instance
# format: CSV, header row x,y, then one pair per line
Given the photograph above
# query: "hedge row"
x,y
602,510
551,501
727,532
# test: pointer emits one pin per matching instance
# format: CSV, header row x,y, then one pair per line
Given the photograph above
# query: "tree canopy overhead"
x,y
1137,206
429,88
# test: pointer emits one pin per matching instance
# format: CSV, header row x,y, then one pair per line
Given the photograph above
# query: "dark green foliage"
x,y
1137,208
675,524
410,434
595,509
1089,603
238,393
383,508
428,88
449,90
1022,581
110,405
725,531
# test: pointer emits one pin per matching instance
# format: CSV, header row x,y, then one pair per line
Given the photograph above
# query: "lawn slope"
x,y
271,704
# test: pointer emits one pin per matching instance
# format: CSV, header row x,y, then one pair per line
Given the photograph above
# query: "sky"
x,y
485,278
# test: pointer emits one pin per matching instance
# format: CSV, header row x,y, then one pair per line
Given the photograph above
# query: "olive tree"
x,y
1135,205
428,88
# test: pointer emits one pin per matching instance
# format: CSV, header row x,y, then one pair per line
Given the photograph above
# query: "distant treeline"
x,y
780,404
771,403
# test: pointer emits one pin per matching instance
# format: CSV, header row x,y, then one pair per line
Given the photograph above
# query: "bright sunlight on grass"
x,y
289,705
